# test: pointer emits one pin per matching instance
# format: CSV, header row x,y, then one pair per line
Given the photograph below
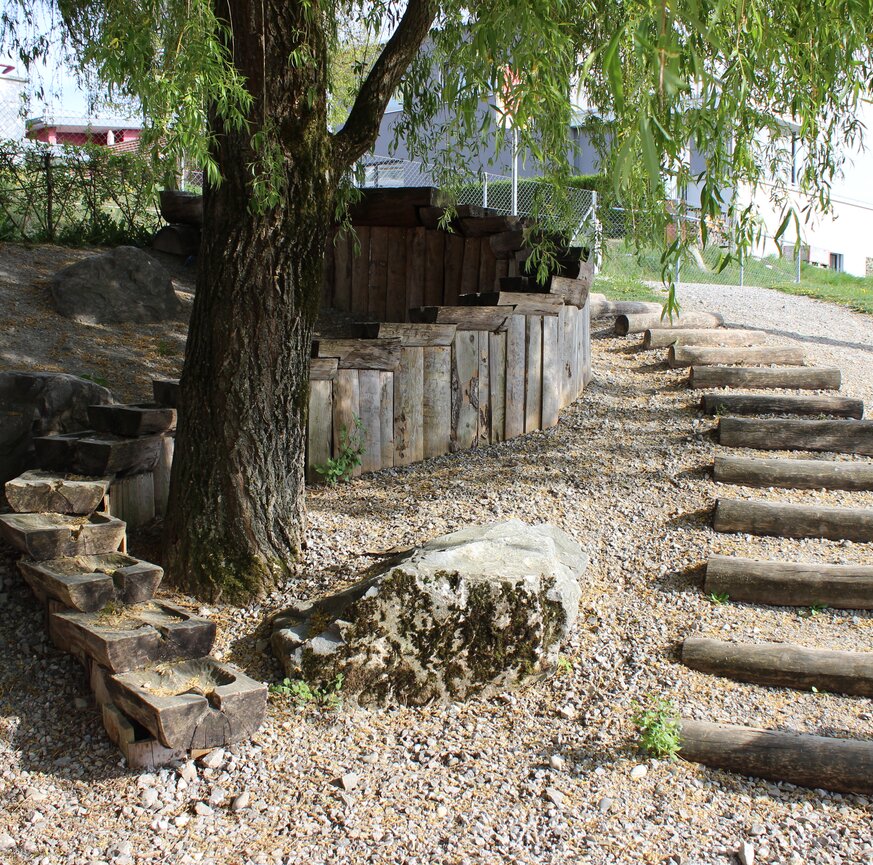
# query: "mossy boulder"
x,y
468,614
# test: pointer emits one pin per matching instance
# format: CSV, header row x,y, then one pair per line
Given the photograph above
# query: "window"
x,y
837,262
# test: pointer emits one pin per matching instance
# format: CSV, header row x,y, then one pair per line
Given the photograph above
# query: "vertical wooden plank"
x,y
454,259
343,258
434,273
551,367
416,256
470,266
483,433
587,370
386,417
533,386
437,400
515,373
501,269
408,407
573,351
327,272
370,396
566,322
580,350
162,474
487,268
512,268
395,300
133,499
465,389
360,269
346,407
497,383
378,275
318,428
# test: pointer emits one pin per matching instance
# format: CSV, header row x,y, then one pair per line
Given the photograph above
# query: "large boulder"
x,y
124,284
38,404
472,613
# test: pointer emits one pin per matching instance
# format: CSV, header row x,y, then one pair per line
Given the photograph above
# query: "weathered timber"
x,y
497,385
140,749
838,436
342,244
571,339
437,400
386,417
370,402
793,521
416,261
56,536
599,304
487,269
132,499
486,225
92,453
58,452
491,318
132,420
515,377
394,206
841,765
434,271
533,385
181,240
791,584
346,406
185,208
166,391
360,253
483,431
506,243
377,276
640,320
584,324
747,403
453,268
412,335
396,303
793,474
663,337
571,291
636,308
782,665
37,492
470,269
323,368
360,353
319,426
525,303
551,392
328,272
795,378
520,284
687,355
89,583
465,390
161,474
408,407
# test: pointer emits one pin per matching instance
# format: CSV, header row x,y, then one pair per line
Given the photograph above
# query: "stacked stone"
x,y
147,661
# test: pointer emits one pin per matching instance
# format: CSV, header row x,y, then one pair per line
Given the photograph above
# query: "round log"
x,y
841,765
775,434
793,521
748,403
793,474
790,584
688,355
663,337
796,378
639,320
782,665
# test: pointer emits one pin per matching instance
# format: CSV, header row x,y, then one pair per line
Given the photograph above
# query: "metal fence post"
x,y
514,171
799,252
742,269
484,189
49,198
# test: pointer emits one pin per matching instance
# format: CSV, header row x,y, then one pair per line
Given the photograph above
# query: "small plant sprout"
x,y
302,694
658,728
352,446
565,666
718,598
813,611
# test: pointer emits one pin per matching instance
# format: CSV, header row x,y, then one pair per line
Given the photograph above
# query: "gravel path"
x,y
550,775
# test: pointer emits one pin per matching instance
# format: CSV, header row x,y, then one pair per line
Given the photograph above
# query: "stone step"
x,y
42,492
135,419
56,536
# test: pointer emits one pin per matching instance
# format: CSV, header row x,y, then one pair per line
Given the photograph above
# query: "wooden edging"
x,y
692,355
664,337
793,474
806,404
632,320
796,378
838,436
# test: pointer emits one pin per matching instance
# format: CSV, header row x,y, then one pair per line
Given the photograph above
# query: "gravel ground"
x,y
549,775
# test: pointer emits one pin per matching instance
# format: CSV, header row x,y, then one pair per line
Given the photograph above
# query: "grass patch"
x,y
854,292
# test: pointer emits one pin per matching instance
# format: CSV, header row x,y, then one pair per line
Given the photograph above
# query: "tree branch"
x,y
362,127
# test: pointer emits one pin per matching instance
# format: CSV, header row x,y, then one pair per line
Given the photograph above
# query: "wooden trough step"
x,y
795,378
664,337
782,665
691,355
820,762
793,521
790,584
751,404
837,436
793,474
632,321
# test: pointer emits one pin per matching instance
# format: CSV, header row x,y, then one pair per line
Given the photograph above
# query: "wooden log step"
x,y
192,704
574,292
626,308
36,492
664,337
56,536
790,584
93,453
182,240
486,318
598,304
841,765
688,355
412,335
795,378
632,320
782,665
793,521
132,637
323,368
748,403
525,303
837,436
166,391
382,354
89,583
137,419
793,474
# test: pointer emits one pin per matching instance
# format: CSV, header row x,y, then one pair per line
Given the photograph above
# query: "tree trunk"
x,y
236,513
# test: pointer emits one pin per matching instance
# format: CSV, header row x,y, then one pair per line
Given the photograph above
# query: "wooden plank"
x,y
571,338
793,474
133,499
629,319
484,226
795,378
483,433
454,264
346,407
581,318
395,282
564,369
584,324
838,436
370,401
319,427
490,318
386,418
506,243
343,258
533,385
664,337
525,303
501,271
360,253
328,274
408,407
437,400
487,268
434,271
497,384
571,291
377,288
747,403
360,353
465,390
551,373
394,206
790,584
470,268
687,355
515,376
323,368
416,264
161,475
413,334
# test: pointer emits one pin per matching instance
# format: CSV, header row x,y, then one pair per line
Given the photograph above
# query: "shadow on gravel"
x,y
813,340
680,582
693,519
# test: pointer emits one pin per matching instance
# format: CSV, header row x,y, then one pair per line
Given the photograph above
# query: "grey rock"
x,y
746,854
472,613
124,284
241,802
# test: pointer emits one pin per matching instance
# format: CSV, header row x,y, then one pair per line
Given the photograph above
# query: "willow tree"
x,y
243,87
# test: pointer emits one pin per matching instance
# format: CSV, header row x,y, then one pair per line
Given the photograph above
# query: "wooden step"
x,y
633,320
782,665
793,521
166,391
793,474
56,536
749,403
664,337
836,436
141,750
790,584
136,419
691,355
603,307
490,318
41,492
381,354
841,765
795,378
412,335
94,453
525,303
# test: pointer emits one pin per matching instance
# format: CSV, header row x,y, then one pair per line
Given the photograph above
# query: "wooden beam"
x,y
838,436
795,378
491,318
688,355
412,334
525,303
793,474
746,404
634,320
663,337
359,353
